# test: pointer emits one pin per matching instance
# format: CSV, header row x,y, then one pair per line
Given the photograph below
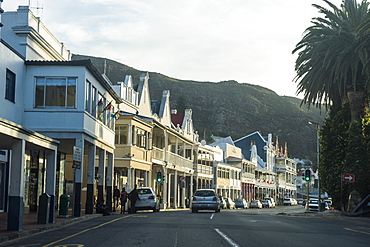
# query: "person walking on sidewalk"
x,y
116,194
123,200
133,196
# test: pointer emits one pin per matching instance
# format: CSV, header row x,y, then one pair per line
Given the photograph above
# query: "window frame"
x,y
10,82
42,83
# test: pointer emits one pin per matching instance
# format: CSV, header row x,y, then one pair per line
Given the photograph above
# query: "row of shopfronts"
x,y
65,129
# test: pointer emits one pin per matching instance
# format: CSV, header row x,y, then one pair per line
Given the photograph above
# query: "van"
x,y
273,204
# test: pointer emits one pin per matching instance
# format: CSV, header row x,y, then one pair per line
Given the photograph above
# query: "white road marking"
x,y
212,216
176,239
229,240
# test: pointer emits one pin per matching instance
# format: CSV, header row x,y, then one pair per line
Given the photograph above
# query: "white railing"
x,y
176,159
158,154
204,169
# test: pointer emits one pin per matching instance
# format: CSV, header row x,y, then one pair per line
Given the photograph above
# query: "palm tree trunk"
x,y
356,102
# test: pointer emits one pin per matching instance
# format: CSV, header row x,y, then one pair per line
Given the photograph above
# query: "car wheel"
x,y
194,210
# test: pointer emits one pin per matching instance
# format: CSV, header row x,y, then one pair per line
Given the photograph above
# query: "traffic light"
x,y
159,177
307,175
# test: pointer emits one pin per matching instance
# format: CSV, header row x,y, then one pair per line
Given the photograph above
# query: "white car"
x,y
273,204
290,202
148,200
313,205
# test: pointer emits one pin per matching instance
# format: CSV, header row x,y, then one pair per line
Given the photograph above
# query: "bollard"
x,y
44,209
64,205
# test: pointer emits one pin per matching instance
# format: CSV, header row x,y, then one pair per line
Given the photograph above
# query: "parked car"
x,y
256,204
148,200
300,201
266,204
241,203
273,204
290,202
230,204
222,202
205,199
314,206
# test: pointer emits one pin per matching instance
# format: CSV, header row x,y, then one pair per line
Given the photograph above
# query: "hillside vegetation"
x,y
228,108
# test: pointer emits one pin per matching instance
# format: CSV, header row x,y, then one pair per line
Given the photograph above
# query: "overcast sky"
x,y
249,41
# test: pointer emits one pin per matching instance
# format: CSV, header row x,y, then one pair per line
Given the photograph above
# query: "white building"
x,y
51,105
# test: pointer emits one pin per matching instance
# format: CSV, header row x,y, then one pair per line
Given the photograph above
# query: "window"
x,y
100,108
56,92
88,98
140,138
10,86
121,134
93,100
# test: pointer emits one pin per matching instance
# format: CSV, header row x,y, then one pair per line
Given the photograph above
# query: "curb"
x,y
47,227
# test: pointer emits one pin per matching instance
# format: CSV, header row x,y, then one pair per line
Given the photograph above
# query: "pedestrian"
x,y
133,196
116,195
123,200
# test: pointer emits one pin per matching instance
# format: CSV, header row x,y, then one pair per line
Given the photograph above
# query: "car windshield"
x,y
239,200
255,201
144,191
204,193
313,201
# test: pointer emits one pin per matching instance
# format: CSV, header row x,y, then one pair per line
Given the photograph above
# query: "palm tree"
x,y
333,57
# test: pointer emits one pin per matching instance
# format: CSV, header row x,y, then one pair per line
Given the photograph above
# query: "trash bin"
x,y
44,209
322,206
64,204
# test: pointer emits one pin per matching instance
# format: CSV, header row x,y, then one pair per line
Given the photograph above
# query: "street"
x,y
280,226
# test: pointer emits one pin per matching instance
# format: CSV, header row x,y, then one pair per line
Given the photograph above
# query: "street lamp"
x,y
317,159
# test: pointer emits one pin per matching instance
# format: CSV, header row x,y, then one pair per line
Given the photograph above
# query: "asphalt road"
x,y
282,226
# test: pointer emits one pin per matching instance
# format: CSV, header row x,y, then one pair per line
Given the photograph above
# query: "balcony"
x,y
158,154
204,169
175,160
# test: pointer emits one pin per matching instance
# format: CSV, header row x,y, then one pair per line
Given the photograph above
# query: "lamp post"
x,y
317,159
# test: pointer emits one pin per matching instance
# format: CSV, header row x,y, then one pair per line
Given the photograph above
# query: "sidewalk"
x,y
30,226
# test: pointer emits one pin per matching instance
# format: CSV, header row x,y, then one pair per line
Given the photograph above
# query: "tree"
x,y
333,57
333,69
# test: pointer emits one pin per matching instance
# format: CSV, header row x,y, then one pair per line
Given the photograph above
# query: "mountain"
x,y
228,108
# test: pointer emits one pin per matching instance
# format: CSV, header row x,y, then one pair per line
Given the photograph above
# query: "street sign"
x,y
77,157
348,177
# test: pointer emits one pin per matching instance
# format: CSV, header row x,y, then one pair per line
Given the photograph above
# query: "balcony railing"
x,y
172,158
204,169
176,159
158,154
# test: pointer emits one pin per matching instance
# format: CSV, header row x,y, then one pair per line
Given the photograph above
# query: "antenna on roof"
x,y
37,7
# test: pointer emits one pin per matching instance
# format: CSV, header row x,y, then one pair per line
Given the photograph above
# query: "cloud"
x,y
243,40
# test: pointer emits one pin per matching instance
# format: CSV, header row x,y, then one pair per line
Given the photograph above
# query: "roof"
x,y
254,133
177,119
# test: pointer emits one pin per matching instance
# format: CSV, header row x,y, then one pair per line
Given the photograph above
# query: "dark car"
x,y
241,203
